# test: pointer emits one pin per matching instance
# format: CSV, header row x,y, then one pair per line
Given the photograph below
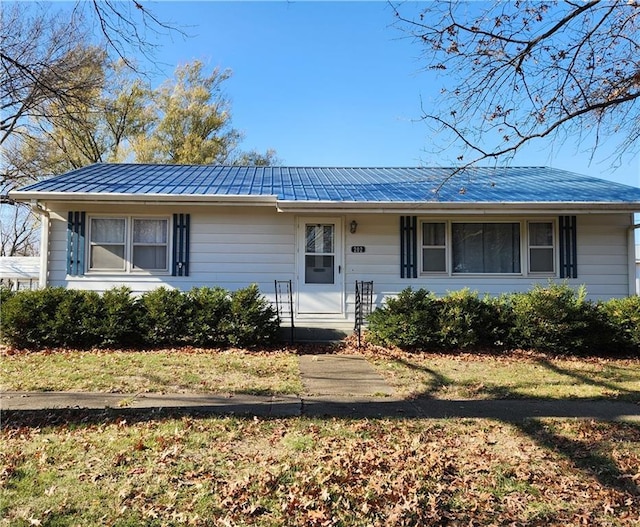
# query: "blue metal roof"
x,y
364,185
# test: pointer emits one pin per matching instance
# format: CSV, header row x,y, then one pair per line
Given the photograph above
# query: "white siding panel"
x,y
603,254
602,260
232,247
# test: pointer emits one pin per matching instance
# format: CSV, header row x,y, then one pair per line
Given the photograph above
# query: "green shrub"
x,y
26,318
466,321
52,317
79,318
122,318
557,319
165,315
5,293
623,316
408,321
58,317
210,316
253,320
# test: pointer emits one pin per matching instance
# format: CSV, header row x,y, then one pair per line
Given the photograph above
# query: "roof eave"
x,y
332,206
124,198
434,207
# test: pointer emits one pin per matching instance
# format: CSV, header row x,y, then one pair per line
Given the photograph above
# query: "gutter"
x,y
434,207
102,197
631,243
45,219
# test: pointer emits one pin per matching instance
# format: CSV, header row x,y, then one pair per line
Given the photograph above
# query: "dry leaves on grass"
x,y
227,471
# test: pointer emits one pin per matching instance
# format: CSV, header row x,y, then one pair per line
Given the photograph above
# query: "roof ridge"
x,y
345,167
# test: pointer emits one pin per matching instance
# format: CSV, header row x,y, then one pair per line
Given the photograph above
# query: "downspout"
x,y
37,208
631,237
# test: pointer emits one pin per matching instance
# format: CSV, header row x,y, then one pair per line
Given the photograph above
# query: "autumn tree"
x,y
80,132
515,72
46,76
42,49
192,122
38,59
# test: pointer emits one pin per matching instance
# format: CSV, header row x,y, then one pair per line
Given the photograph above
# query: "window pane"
x,y
107,230
107,257
486,247
318,269
433,260
145,257
319,239
541,260
541,234
149,231
433,234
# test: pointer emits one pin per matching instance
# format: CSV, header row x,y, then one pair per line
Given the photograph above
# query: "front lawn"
x,y
160,371
104,470
510,375
104,467
444,376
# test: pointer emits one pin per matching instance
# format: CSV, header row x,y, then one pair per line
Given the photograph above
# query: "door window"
x,y
319,255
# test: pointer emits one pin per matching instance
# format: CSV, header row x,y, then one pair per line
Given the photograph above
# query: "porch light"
x,y
353,226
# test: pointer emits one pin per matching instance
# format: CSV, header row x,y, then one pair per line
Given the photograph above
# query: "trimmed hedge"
x,y
58,317
556,319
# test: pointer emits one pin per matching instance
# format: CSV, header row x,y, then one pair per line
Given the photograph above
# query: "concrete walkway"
x,y
334,385
342,376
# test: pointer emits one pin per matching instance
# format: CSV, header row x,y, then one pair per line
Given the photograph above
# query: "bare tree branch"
x,y
520,71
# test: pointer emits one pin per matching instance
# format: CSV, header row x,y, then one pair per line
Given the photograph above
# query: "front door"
x,y
320,282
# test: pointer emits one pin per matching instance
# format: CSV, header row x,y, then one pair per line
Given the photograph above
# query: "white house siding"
x,y
603,255
637,269
233,247
602,260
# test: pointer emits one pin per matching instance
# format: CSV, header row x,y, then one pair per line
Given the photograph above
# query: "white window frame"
x,y
92,244
524,246
128,267
135,244
553,247
445,247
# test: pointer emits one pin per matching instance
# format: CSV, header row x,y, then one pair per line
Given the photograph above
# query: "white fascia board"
x,y
459,208
100,197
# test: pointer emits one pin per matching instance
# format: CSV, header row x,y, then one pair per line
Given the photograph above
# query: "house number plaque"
x,y
357,248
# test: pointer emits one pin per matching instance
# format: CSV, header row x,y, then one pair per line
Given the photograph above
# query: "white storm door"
x,y
320,282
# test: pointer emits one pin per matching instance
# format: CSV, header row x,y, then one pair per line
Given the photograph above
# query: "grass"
x,y
106,467
310,472
517,375
443,376
161,371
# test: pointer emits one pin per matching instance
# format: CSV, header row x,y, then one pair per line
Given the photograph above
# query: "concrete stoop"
x,y
304,334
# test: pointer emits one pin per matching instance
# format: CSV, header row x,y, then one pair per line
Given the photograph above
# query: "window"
x,y
319,254
107,245
434,249
150,244
486,247
541,243
129,244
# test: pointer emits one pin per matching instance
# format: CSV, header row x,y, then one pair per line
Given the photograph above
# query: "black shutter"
x,y
180,260
408,246
568,247
76,243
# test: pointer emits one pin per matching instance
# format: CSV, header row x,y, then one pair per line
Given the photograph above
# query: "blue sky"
x,y
332,84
